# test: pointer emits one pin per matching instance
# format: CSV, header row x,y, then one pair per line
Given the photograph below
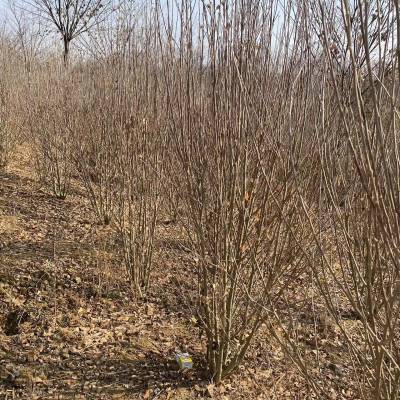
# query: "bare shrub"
x,y
51,124
4,131
355,260
95,143
6,80
270,134
138,201
236,190
364,258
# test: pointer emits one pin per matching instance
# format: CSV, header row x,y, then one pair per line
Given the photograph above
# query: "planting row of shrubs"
x,y
270,135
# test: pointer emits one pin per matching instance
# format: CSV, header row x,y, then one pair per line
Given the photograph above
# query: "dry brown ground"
x,y
70,329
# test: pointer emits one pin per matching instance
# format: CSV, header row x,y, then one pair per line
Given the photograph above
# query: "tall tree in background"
x,y
71,18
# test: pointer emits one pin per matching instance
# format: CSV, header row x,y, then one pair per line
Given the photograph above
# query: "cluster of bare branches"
x,y
237,190
4,133
360,178
69,18
269,130
51,123
354,215
10,98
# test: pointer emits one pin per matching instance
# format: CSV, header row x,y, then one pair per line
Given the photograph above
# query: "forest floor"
x,y
70,328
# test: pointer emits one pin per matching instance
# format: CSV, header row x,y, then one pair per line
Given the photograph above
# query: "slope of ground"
x,y
70,329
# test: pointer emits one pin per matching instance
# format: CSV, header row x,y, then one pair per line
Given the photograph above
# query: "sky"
x,y
2,3
3,11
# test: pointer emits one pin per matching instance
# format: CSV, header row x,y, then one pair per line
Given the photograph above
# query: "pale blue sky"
x,y
3,11
1,7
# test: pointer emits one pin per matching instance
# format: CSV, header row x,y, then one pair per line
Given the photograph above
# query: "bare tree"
x,y
71,18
